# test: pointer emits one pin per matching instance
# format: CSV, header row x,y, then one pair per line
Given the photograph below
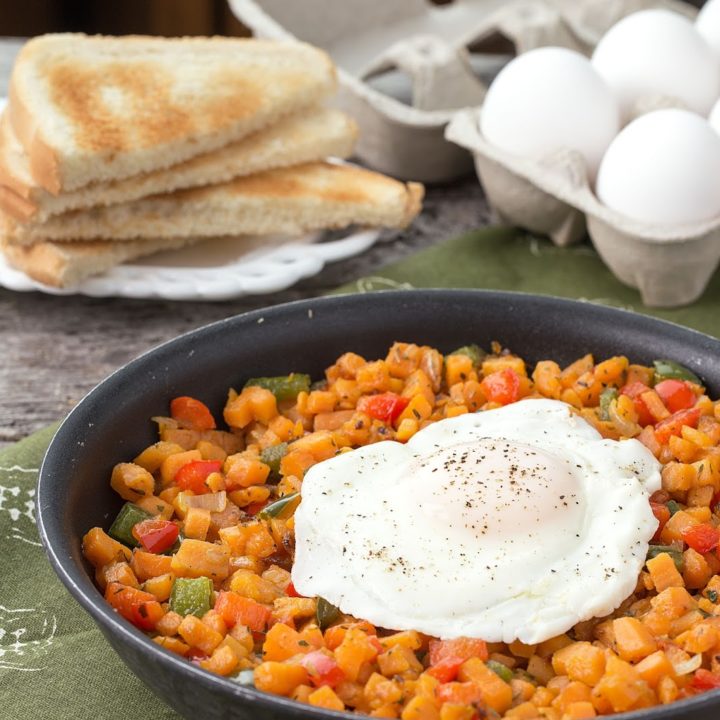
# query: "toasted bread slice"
x,y
96,109
312,134
67,264
287,201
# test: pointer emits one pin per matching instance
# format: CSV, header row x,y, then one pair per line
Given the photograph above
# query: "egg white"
x,y
508,524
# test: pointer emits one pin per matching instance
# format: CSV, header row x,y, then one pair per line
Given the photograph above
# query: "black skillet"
x,y
112,424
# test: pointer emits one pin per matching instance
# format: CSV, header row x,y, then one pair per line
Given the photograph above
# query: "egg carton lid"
x,y
405,66
670,266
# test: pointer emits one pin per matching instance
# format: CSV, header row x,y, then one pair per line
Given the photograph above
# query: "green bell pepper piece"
x,y
283,387
191,596
670,370
502,671
474,352
672,551
606,397
326,613
281,508
673,507
272,456
129,516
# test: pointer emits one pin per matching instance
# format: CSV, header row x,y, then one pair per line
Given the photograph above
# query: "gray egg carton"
x,y
405,66
669,266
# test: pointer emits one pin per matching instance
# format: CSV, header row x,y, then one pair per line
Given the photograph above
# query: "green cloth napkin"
x,y
508,259
53,661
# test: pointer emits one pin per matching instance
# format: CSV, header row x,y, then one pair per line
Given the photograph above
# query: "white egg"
x,y
663,168
714,118
508,524
708,25
546,100
658,54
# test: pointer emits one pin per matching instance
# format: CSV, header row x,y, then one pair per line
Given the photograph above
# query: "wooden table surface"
x,y
55,349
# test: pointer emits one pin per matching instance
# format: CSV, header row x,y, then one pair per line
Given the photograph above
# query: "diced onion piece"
x,y
688,666
214,502
624,425
165,423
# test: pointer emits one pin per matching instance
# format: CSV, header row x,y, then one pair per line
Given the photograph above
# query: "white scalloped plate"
x,y
218,269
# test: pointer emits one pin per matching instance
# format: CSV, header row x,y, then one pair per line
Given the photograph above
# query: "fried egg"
x,y
508,524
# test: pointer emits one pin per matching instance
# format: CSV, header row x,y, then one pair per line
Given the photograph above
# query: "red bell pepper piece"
x,y
676,395
192,413
673,425
662,513
192,475
446,669
322,669
705,680
385,407
290,590
459,693
502,386
702,538
156,536
256,507
462,647
634,390
140,608
236,609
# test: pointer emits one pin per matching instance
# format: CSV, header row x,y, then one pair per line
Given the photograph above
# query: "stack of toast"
x,y
115,148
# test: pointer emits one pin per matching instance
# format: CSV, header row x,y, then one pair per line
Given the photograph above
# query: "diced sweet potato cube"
x,y
100,549
654,667
282,642
147,565
325,697
572,693
673,602
279,678
667,690
250,585
663,572
223,661
678,477
696,571
117,572
459,368
539,668
253,403
169,623
156,506
398,660
579,711
196,558
418,383
580,661
355,649
632,639
701,638
160,586
408,638
495,692
131,482
199,635
173,644
243,470
152,457
421,708
196,523
523,711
